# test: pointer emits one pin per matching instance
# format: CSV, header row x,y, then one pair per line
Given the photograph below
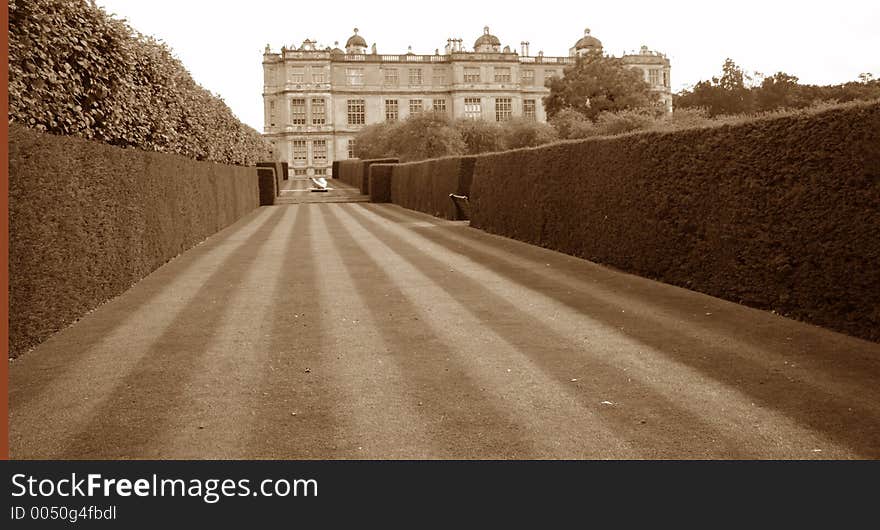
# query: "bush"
x,y
571,124
378,140
427,135
480,136
611,123
777,213
527,133
74,70
84,227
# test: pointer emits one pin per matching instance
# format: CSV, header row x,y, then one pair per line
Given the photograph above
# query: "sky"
x,y
221,42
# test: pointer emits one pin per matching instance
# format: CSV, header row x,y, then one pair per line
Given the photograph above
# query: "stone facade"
x,y
316,100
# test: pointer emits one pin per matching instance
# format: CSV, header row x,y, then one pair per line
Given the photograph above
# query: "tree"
x,y
780,90
480,136
571,124
727,94
527,133
596,84
428,135
377,140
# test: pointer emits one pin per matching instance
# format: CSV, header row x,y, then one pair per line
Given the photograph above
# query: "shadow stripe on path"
x,y
653,425
454,407
54,363
846,422
126,423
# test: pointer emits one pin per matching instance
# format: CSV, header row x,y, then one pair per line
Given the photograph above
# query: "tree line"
x,y
599,96
736,92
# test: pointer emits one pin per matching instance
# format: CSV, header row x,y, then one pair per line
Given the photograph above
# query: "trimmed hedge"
x,y
281,169
380,182
268,183
350,171
74,70
778,214
88,220
357,172
425,186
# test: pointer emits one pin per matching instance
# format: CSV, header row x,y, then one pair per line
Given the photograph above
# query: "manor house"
x,y
316,100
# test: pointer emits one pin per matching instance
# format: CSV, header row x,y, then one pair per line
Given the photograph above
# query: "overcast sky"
x,y
221,42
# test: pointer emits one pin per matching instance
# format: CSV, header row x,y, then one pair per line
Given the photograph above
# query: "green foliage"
x,y
596,84
421,136
427,135
730,94
527,133
74,70
480,136
377,141
571,124
611,123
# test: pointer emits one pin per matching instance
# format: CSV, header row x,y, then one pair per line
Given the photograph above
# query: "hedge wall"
x,y
74,70
780,214
425,186
350,171
357,172
88,220
380,182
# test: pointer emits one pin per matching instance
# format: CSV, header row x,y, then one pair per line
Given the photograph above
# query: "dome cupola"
x,y
588,43
355,43
487,42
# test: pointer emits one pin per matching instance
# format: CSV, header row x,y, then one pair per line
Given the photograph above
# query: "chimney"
x,y
524,45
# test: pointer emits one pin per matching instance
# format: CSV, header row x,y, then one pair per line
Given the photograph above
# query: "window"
x,y
472,108
503,109
471,75
356,112
300,172
319,112
354,76
502,74
272,113
319,151
440,105
392,77
352,148
321,171
299,152
550,74
654,76
528,77
665,78
439,77
529,109
297,75
298,111
391,110
415,76
318,76
415,106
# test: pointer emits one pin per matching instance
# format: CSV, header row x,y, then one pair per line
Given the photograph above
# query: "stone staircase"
x,y
297,190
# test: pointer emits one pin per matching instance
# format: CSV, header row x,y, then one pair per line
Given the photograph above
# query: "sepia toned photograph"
x,y
277,230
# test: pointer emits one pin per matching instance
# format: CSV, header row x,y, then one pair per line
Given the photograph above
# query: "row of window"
x,y
303,172
357,110
655,75
300,152
298,75
391,76
473,109
392,108
298,111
